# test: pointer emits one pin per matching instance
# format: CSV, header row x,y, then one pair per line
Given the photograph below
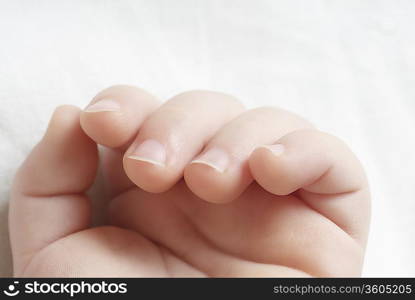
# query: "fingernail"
x,y
277,149
215,158
150,151
103,105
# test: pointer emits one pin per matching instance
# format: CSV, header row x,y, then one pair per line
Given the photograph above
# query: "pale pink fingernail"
x,y
277,149
150,151
108,105
215,158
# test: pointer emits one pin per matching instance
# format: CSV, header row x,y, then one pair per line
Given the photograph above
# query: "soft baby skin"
x,y
199,187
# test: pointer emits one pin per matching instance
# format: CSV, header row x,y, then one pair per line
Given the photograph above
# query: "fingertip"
x,y
151,176
269,167
64,161
64,117
208,176
146,164
301,159
107,128
210,183
116,113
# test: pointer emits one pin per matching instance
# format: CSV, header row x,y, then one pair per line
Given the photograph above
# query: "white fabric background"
x,y
348,66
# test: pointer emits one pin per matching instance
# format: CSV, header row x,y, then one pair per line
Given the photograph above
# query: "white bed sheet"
x,y
348,66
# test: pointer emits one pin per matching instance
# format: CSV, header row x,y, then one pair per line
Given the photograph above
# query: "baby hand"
x,y
199,186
